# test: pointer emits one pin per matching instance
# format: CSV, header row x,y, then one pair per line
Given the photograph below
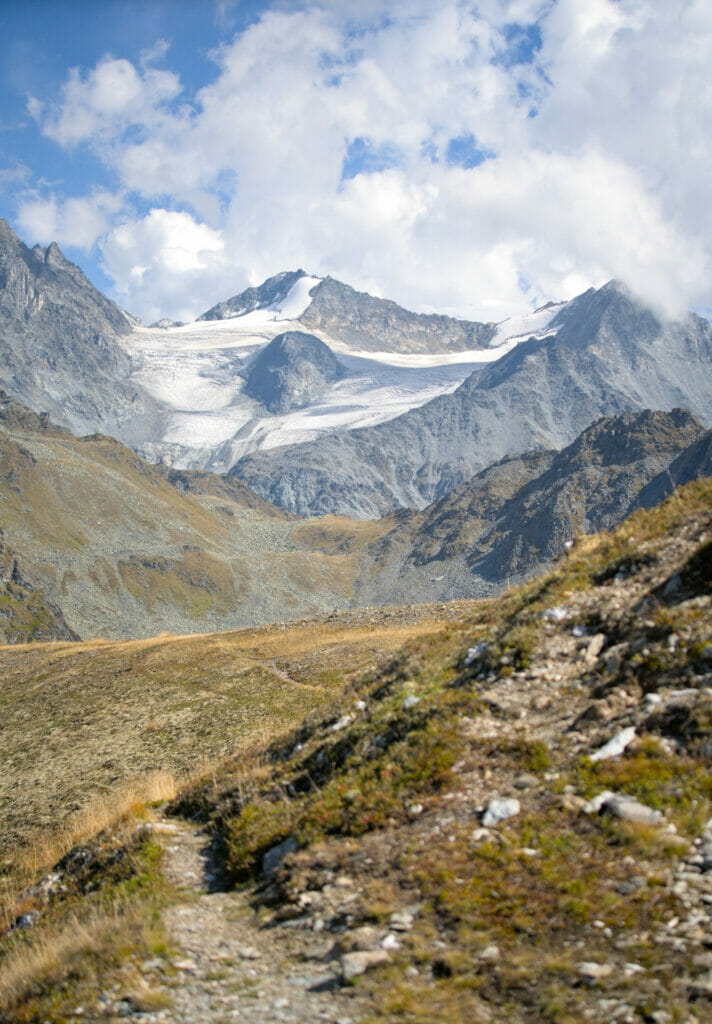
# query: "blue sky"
x,y
474,159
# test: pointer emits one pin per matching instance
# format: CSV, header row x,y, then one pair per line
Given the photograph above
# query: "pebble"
x,y
342,723
248,953
490,954
525,781
401,921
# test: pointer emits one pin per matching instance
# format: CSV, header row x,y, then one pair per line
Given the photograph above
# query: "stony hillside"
x,y
508,822
123,552
514,518
59,342
26,614
127,549
609,355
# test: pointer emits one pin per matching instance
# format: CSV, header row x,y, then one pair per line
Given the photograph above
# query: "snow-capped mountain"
x,y
198,374
601,354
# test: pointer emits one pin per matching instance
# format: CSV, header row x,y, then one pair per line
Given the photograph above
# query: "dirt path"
x,y
224,966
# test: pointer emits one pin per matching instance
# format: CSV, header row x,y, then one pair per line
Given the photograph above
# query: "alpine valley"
x,y
312,448
355,663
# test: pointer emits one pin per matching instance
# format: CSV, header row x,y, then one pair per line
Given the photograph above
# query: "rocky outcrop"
x,y
292,372
610,355
379,325
59,341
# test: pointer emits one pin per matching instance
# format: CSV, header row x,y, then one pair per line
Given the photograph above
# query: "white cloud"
x,y
111,97
602,146
79,221
165,260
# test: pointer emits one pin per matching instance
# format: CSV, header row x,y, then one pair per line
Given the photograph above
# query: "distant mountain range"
x,y
482,449
187,395
98,542
603,353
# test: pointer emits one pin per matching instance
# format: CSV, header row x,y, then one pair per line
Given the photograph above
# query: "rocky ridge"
x,y
609,355
59,342
273,290
519,515
370,324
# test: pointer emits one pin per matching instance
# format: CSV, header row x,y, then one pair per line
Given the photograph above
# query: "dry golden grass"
x,y
130,799
93,732
338,535
48,958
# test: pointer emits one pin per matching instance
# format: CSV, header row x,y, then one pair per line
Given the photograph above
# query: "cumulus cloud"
x,y
78,221
480,160
165,260
101,104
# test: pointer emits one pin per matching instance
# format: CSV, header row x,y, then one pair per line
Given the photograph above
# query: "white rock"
x,y
499,810
355,964
490,953
342,723
474,653
401,921
594,805
590,969
557,614
628,809
410,702
616,745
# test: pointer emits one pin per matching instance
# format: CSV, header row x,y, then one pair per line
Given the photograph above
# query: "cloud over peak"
x,y
476,160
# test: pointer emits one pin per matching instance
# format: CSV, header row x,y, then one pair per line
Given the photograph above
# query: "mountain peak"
x,y
271,292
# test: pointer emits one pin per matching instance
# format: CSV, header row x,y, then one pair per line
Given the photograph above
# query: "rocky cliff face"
x,y
59,348
379,325
610,354
292,372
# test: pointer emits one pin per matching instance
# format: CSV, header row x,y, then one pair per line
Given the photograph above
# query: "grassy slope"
x,y
78,720
124,553
393,798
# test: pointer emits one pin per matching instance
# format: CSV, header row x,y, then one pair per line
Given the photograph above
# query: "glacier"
x,y
206,421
